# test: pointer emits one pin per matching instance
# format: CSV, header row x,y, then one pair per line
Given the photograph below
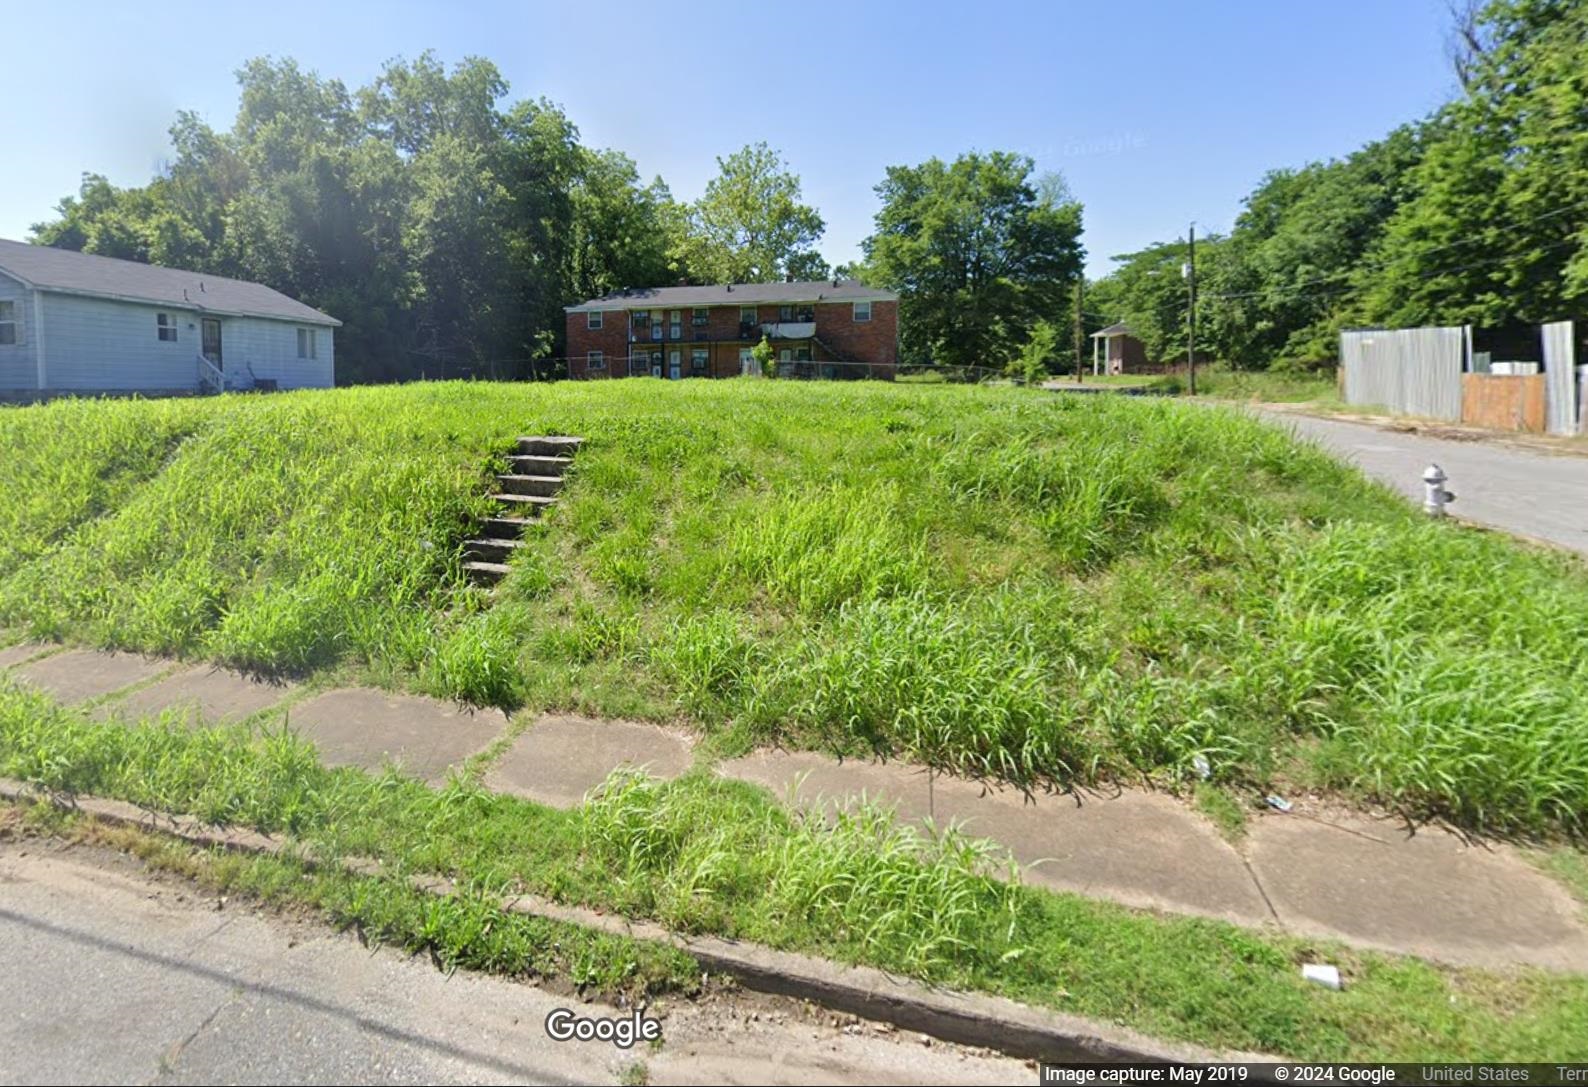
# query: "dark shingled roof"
x,y
737,294
66,271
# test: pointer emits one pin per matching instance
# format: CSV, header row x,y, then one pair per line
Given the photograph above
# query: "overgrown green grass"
x,y
710,856
1221,381
995,580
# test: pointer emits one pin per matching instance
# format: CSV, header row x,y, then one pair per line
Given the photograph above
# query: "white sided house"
x,y
73,323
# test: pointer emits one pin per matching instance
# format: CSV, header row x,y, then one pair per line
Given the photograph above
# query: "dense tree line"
x,y
1478,212
444,225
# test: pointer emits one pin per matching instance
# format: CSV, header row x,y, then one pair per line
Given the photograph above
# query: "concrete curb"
x,y
962,1018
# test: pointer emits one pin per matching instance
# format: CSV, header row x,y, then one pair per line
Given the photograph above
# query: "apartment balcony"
x,y
789,330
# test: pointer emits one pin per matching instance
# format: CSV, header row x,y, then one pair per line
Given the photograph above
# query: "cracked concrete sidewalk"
x,y
1369,882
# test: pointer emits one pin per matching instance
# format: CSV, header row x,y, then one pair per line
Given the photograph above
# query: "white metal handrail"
x,y
211,376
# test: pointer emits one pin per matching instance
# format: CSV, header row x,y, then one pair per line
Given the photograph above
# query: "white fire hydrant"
x,y
1435,497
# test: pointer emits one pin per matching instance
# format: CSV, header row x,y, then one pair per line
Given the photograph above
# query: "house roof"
x,y
1119,328
63,270
737,294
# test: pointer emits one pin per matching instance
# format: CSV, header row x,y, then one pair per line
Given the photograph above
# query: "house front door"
x,y
746,361
212,341
675,365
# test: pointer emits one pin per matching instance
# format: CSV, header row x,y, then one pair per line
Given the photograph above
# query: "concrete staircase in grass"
x,y
528,488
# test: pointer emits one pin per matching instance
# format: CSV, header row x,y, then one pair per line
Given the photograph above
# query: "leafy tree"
x,y
750,226
765,357
1498,229
979,251
1038,355
624,234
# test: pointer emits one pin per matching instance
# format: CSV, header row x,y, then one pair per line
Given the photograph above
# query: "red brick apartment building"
x,y
830,329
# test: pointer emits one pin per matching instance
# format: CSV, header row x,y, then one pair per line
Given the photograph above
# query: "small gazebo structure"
x,y
1116,350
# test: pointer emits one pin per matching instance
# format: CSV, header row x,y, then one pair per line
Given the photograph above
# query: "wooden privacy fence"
x,y
1503,402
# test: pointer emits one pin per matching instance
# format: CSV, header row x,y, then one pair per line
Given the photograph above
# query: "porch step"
x,y
538,465
545,486
491,549
549,446
485,573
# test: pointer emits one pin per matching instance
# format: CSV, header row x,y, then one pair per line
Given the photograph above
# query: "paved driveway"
x,y
1534,494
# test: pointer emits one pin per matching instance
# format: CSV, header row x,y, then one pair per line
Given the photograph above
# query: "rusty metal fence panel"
x,y
1560,379
1412,371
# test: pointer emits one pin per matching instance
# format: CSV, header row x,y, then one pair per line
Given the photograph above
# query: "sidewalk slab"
x,y
367,728
16,654
204,694
80,674
561,757
1430,893
1140,849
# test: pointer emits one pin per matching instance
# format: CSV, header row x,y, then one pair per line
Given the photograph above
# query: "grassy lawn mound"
x,y
996,581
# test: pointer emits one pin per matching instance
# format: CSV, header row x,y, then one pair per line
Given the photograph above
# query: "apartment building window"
x,y
592,320
164,327
642,319
8,323
596,360
676,321
862,311
307,349
700,318
699,360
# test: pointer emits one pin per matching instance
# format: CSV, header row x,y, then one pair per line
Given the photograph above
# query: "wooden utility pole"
x,y
1191,309
1080,330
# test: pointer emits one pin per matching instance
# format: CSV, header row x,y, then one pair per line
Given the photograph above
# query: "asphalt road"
x,y
112,975
1532,494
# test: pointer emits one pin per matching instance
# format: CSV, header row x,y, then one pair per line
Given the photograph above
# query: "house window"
x,y
8,323
596,360
698,359
700,318
307,348
676,320
747,315
165,327
862,311
592,320
642,319
785,313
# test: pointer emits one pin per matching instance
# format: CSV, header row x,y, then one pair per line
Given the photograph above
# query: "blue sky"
x,y
1157,112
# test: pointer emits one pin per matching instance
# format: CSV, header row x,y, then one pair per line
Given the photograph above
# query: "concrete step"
x,y
536,465
546,486
505,528
485,573
491,548
525,503
549,446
